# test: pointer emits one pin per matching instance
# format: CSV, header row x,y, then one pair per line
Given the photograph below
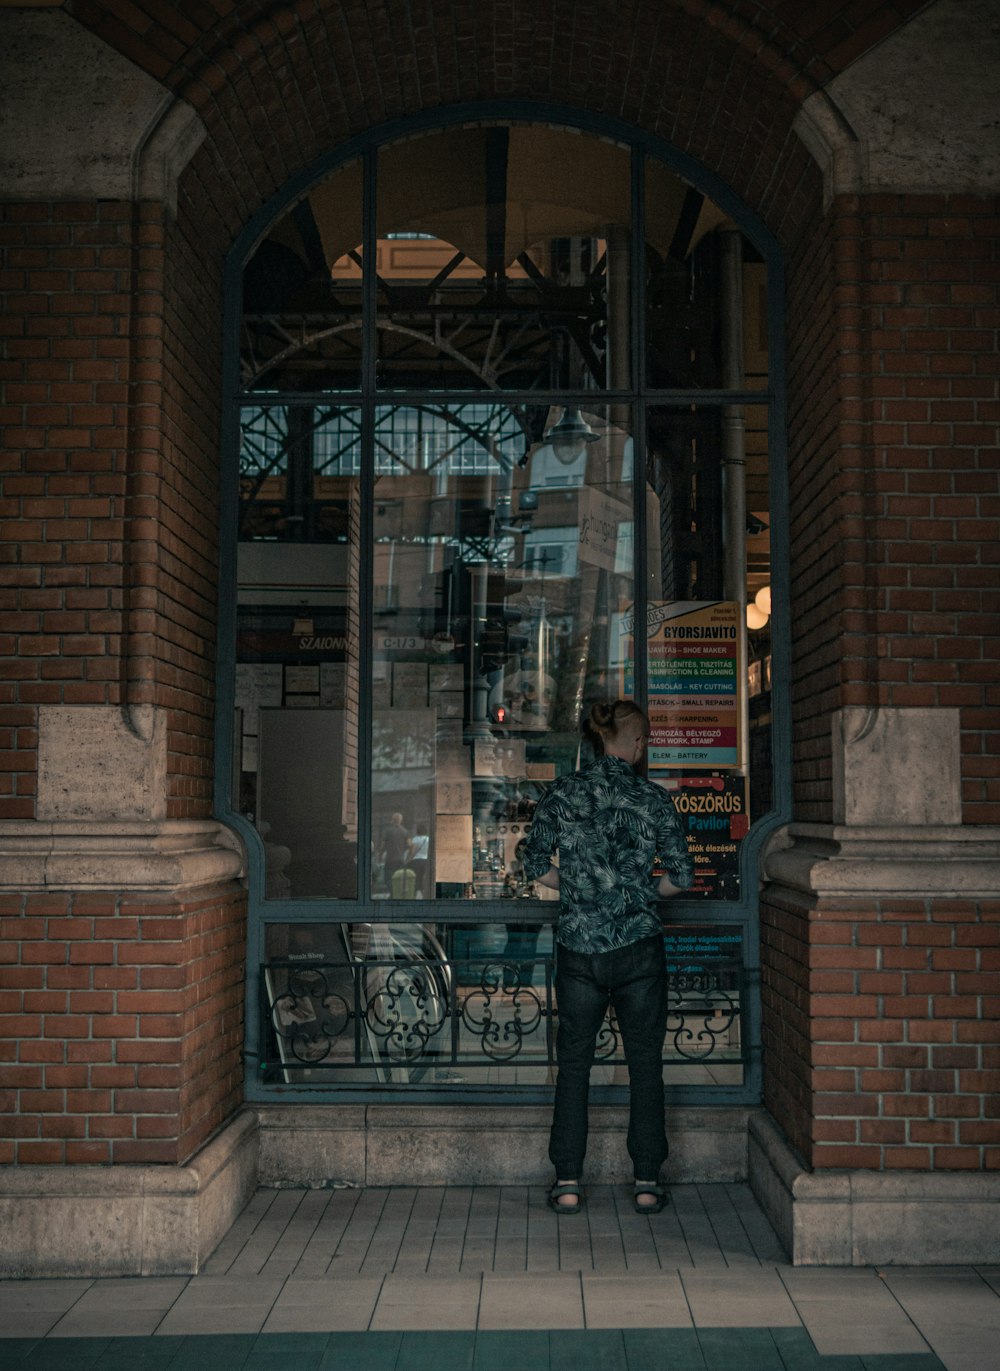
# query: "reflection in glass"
x,y
297,685
503,260
706,292
301,326
493,581
503,560
709,678
404,1004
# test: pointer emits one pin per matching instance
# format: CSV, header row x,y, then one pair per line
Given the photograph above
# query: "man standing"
x,y
609,825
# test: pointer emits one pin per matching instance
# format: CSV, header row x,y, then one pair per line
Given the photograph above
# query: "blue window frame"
x,y
500,386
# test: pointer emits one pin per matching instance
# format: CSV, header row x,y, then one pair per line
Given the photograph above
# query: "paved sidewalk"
x,y
489,1279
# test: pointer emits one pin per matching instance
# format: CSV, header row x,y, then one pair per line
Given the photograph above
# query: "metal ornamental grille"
x,y
410,1018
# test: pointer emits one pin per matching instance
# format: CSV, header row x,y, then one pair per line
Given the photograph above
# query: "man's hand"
x,y
550,879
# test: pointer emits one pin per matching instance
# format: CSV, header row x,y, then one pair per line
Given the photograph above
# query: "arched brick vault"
x,y
187,47
279,86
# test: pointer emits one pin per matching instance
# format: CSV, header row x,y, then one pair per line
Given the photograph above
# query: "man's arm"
x,y
672,849
540,846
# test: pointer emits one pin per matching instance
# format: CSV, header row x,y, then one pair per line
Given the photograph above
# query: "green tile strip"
x,y
571,1349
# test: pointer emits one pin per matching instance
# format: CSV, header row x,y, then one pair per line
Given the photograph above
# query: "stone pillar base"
x,y
91,1221
872,1218
127,1220
159,1221
479,1144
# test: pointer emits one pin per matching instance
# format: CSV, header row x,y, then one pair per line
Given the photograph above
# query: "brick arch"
x,y
289,89
281,95
295,83
807,41
721,81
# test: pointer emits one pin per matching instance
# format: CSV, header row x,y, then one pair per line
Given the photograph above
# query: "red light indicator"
x,y
500,714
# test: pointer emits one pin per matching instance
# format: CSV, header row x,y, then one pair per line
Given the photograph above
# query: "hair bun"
x,y
602,715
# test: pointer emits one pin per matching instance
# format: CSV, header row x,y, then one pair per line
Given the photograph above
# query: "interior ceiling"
x,y
176,43
557,183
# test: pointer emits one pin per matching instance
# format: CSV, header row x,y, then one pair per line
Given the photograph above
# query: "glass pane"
x,y
297,687
503,563
708,642
302,294
503,260
473,1006
706,292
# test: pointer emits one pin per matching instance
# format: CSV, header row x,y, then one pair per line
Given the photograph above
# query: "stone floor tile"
x,y
738,1299
217,1292
213,1352
638,1302
798,1353
531,1301
133,1292
296,1351
437,1351
577,1350
66,1354
14,1350
139,1354
951,1297
427,1302
41,1294
920,1361
97,1323
35,1323
512,1349
673,1349
847,1333
324,1303
377,1351
750,1349
204,1319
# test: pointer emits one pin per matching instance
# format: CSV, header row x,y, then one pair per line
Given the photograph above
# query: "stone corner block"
x,y
97,762
872,1218
899,767
100,1221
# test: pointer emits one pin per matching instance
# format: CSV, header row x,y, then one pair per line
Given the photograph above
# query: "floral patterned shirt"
x,y
608,825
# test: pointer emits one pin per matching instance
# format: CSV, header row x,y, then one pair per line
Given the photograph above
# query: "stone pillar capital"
x,y
128,855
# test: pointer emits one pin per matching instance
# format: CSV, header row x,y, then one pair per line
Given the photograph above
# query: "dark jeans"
x,y
634,980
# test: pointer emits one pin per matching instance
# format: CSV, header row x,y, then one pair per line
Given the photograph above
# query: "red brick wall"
x,y
63,437
109,429
874,1054
894,436
121,1025
183,478
932,460
880,1031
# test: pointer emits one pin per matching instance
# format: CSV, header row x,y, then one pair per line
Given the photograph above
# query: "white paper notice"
x,y
257,684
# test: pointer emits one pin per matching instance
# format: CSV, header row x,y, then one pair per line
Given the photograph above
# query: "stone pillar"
x,y
881,933
123,937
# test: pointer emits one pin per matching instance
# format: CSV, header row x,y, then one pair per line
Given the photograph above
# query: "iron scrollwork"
x,y
406,1007
416,1011
309,1016
502,1034
703,1010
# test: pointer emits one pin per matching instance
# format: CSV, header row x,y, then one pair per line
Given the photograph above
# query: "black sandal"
x,y
561,1188
659,1193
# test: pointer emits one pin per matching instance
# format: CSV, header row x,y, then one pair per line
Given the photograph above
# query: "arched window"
x,y
506,391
